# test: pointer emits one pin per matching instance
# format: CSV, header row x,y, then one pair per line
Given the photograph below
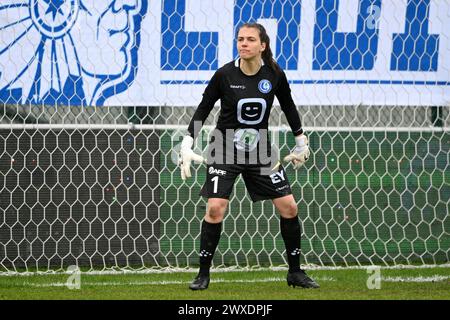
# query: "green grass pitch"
x,y
342,284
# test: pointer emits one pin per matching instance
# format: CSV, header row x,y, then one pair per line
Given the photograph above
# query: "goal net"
x,y
96,97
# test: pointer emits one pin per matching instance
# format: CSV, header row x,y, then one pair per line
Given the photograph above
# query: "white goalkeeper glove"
x,y
301,152
187,156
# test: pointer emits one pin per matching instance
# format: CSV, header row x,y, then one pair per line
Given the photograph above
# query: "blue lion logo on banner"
x,y
70,52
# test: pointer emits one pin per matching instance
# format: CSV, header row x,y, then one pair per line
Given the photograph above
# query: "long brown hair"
x,y
267,54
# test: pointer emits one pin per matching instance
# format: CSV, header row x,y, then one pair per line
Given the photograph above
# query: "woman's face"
x,y
249,43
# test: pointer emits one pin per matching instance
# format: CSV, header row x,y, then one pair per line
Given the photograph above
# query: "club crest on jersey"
x,y
264,86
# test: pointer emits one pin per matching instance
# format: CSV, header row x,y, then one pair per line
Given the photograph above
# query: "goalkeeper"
x,y
246,88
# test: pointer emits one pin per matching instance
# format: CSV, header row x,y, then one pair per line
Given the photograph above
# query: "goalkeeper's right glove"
x,y
300,153
186,156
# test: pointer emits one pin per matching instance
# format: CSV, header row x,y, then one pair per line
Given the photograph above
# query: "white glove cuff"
x,y
187,142
301,141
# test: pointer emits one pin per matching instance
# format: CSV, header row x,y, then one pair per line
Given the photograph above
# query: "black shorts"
x,y
262,183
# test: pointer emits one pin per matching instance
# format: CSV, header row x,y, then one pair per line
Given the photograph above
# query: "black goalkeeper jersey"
x,y
246,101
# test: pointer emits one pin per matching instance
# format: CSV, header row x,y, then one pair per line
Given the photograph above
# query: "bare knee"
x,y
290,210
286,206
216,210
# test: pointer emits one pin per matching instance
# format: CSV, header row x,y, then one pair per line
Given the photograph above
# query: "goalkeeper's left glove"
x,y
301,152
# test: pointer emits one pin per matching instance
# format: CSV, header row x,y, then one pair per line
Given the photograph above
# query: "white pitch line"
x,y
435,278
153,283
309,267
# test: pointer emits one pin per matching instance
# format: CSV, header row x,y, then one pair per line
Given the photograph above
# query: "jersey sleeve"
x,y
283,93
211,94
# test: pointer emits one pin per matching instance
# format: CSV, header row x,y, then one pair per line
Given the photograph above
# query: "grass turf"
x,y
343,284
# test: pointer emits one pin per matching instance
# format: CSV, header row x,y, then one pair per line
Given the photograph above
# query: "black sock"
x,y
291,233
209,238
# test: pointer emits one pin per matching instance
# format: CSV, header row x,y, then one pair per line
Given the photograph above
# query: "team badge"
x,y
264,86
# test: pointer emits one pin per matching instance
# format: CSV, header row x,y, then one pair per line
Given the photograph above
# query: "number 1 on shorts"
x,y
216,183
